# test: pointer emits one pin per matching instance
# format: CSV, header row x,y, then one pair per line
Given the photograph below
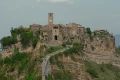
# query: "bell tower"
x,y
50,19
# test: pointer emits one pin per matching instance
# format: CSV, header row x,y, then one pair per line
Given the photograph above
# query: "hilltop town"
x,y
99,42
83,45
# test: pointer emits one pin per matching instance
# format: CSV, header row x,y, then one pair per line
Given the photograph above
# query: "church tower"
x,y
50,19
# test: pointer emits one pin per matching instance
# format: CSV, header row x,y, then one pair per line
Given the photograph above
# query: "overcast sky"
x,y
96,14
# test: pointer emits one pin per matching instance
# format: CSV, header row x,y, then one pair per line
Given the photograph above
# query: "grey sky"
x,y
96,14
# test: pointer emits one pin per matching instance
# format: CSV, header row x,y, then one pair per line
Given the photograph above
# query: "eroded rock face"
x,y
100,47
75,68
98,42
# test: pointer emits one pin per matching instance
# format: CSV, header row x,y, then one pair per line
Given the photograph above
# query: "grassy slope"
x,y
22,65
102,71
19,65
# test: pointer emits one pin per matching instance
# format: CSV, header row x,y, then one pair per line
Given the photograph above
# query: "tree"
x,y
34,41
88,31
7,41
26,38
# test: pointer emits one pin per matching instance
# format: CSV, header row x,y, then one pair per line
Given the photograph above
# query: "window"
x,y
55,37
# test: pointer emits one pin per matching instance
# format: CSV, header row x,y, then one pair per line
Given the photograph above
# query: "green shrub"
x,y
53,49
76,49
7,41
88,31
19,30
63,75
15,58
26,38
34,41
92,72
102,71
31,76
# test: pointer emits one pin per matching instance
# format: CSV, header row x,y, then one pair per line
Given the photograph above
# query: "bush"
x,y
34,41
7,41
92,72
15,58
91,68
63,75
53,49
76,49
26,38
31,76
89,31
22,64
102,71
19,30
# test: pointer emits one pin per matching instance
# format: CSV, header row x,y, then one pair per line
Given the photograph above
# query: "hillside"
x,y
88,56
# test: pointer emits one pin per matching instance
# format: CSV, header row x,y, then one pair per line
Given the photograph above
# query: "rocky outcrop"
x,y
75,67
100,46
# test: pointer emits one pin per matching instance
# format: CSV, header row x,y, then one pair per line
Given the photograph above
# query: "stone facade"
x,y
99,44
57,34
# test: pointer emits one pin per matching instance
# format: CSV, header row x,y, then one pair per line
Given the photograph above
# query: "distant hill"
x,y
117,40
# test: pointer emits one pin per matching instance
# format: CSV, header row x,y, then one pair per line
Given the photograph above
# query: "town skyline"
x,y
94,14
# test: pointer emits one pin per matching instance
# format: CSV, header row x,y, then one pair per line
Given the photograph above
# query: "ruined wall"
x,y
98,45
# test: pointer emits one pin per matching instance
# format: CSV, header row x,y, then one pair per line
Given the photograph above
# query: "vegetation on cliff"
x,y
25,66
22,34
7,41
28,38
102,71
19,66
76,49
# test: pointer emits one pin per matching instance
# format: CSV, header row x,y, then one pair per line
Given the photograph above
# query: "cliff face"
x,y
73,68
100,41
97,46
100,46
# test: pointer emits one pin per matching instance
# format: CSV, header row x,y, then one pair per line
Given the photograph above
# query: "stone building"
x,y
57,34
99,46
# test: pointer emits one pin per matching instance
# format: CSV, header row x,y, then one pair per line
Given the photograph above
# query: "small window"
x,y
56,38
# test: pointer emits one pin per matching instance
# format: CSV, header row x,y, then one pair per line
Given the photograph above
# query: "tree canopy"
x,y
7,41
